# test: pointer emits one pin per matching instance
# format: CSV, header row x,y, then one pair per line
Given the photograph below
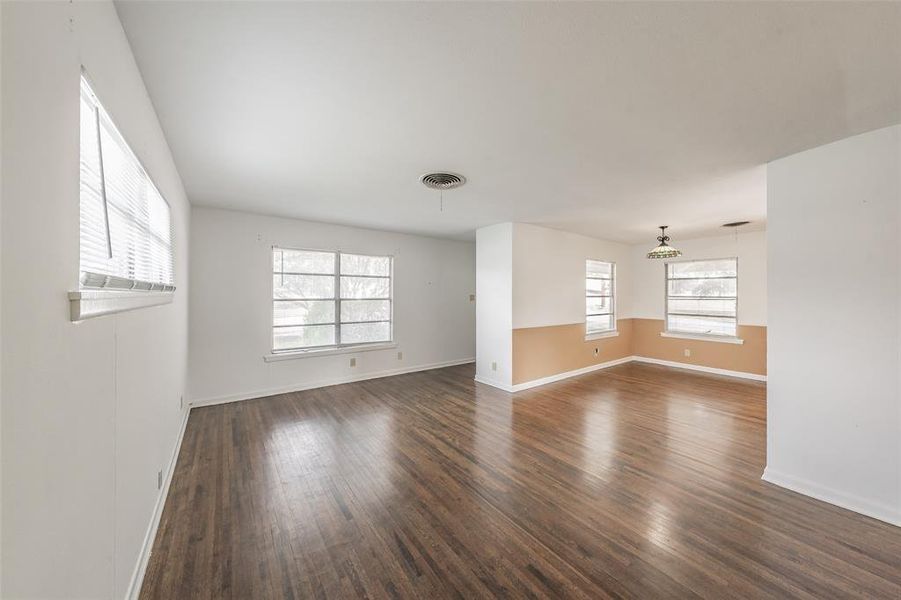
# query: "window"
x,y
126,228
702,297
599,297
329,299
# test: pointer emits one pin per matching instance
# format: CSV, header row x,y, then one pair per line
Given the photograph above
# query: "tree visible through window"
x,y
329,299
702,297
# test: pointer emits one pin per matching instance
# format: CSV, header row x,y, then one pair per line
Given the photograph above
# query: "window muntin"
x,y
600,292
125,223
702,297
327,300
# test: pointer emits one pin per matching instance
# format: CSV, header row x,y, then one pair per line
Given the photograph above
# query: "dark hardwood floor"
x,y
633,482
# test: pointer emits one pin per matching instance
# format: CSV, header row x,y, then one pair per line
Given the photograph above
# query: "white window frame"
x,y
338,348
100,294
613,331
677,333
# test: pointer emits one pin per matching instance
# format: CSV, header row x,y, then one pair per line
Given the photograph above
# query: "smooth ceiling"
x,y
599,118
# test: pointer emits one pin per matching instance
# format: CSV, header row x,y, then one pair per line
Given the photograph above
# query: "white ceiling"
x,y
603,119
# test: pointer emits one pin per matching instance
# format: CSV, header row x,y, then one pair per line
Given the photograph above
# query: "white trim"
x,y
552,378
723,339
691,367
279,356
601,335
835,497
137,576
299,387
612,363
567,374
496,384
85,304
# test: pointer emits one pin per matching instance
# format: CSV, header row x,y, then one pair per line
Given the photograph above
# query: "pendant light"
x,y
663,250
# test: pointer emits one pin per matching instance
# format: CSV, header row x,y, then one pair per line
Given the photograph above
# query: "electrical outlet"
x,y
494,366
687,352
353,362
159,480
400,356
595,351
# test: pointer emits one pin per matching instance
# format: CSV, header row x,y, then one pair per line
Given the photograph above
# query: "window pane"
x,y
598,305
303,286
302,261
357,264
701,325
308,312
362,333
595,324
702,287
125,224
724,267
598,287
365,310
597,268
288,338
365,287
714,307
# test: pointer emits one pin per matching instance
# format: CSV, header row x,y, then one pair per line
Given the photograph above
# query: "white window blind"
x,y
126,227
600,290
702,297
329,299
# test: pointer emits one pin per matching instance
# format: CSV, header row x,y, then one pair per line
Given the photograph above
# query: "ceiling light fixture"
x,y
663,250
442,181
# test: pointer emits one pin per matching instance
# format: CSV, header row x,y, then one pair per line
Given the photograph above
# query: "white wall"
x,y
648,276
494,318
231,304
833,405
549,275
90,411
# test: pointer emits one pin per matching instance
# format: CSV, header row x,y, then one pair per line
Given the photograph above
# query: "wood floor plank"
x,y
638,481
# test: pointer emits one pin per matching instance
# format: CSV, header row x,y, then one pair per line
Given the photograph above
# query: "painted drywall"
x,y
547,279
749,357
541,352
834,334
649,276
494,310
90,411
231,304
549,275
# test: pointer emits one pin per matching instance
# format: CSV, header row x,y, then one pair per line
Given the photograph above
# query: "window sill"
x,y
723,339
599,336
86,304
280,356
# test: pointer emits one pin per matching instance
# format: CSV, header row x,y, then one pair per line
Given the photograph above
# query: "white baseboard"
x,y
299,387
691,367
567,374
838,498
137,577
497,384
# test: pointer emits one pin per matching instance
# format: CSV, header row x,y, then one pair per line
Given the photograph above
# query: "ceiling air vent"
x,y
442,181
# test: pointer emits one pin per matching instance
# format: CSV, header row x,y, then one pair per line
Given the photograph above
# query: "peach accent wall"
x,y
544,351
749,357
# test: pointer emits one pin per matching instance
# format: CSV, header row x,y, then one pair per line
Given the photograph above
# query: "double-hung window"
x,y
600,302
323,300
126,226
702,297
